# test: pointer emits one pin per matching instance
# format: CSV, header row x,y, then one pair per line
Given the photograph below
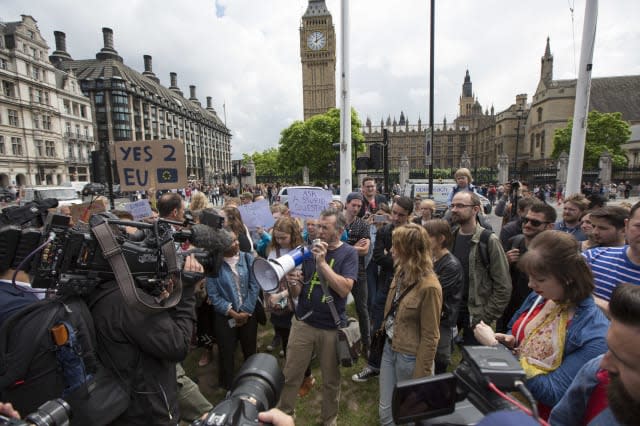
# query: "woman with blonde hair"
x,y
412,314
199,201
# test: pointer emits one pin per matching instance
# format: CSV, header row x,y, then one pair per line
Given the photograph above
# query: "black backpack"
x,y
47,351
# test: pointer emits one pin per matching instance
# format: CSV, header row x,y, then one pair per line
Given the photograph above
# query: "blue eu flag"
x,y
167,175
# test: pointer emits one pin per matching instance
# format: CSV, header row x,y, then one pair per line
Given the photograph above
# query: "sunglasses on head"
x,y
533,222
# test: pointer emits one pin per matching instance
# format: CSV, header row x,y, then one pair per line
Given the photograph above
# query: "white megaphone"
x,y
268,273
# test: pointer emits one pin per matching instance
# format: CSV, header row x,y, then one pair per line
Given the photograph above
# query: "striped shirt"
x,y
611,266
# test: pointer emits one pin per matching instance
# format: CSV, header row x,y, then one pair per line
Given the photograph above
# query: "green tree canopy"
x,y
604,131
309,143
266,162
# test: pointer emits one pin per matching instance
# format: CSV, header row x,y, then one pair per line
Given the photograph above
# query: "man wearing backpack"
x,y
487,282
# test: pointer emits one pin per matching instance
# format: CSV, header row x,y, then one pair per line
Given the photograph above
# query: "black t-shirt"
x,y
357,230
344,261
461,249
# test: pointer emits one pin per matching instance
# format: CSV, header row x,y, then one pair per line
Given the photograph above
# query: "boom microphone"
x,y
214,242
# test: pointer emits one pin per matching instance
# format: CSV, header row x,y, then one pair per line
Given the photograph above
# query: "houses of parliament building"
x,y
484,135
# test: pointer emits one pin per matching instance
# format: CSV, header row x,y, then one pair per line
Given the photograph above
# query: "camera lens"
x,y
260,381
51,413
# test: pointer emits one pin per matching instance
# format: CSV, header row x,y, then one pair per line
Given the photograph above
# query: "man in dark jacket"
x,y
400,213
143,349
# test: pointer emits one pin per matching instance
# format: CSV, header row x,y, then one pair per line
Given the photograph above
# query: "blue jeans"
x,y
394,367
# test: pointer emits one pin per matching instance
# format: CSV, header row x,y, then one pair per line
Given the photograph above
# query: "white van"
x,y
77,185
441,189
64,194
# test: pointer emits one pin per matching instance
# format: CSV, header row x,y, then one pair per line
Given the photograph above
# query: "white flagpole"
x,y
583,88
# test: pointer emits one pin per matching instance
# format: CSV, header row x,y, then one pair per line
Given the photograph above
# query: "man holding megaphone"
x,y
314,329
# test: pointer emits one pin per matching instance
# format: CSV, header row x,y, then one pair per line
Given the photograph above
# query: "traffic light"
x,y
362,163
375,156
98,166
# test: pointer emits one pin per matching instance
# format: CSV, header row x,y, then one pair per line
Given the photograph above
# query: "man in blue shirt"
x,y
574,206
606,391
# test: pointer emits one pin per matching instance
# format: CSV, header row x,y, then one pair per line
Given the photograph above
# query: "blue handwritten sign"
x,y
139,209
256,214
154,163
308,203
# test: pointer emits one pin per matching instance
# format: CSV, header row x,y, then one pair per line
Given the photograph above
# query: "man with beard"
x,y
606,391
608,226
487,286
574,206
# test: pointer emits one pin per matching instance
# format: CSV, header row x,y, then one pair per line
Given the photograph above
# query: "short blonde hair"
x,y
431,204
463,171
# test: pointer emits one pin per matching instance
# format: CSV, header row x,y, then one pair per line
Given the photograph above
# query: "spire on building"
x,y
467,90
402,120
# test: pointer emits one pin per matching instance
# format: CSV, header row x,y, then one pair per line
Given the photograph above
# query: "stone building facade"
x,y
46,132
128,105
524,129
318,56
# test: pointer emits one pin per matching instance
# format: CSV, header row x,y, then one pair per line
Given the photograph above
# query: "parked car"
x,y
93,188
6,195
64,194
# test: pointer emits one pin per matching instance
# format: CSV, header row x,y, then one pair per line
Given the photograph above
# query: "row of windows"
x,y
74,108
15,145
45,148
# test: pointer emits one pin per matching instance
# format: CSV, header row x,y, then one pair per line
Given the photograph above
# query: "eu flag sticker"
x,y
167,175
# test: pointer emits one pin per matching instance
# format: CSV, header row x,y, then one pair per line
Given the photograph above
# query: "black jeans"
x,y
227,339
360,294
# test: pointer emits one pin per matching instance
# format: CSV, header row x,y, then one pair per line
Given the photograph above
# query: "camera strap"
x,y
112,252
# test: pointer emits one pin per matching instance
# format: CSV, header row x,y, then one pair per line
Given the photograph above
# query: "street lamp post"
x,y
516,172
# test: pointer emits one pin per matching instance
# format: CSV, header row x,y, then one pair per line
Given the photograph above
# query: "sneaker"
x,y
205,358
366,373
275,342
307,384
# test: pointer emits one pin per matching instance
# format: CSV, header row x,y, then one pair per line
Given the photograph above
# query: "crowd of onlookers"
x,y
563,293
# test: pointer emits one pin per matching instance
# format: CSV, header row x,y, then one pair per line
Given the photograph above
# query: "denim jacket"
x,y
223,291
586,339
573,406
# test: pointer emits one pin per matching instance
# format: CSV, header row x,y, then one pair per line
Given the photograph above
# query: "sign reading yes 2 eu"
x,y
158,164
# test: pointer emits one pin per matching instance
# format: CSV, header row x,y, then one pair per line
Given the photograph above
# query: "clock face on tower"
x,y
316,40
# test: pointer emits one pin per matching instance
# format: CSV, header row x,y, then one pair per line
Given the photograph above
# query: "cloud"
x,y
246,53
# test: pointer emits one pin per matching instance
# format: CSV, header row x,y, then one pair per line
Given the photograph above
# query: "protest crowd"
x,y
560,290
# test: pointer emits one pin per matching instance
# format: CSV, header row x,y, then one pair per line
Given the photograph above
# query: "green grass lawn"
x,y
358,401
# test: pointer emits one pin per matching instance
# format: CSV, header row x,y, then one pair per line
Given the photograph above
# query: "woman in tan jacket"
x,y
412,314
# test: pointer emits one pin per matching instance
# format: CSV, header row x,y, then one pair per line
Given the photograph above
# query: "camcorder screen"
x,y
423,398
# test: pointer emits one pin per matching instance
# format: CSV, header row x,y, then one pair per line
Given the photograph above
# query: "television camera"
x,y
74,260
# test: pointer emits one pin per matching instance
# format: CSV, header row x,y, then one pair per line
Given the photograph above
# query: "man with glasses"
x,y
487,283
372,199
539,217
400,213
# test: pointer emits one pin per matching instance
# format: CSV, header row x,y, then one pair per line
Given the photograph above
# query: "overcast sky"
x,y
246,54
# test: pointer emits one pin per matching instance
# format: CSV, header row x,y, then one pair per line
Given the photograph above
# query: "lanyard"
x,y
316,280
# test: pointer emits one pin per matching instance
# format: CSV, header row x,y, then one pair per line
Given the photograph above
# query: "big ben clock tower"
x,y
318,56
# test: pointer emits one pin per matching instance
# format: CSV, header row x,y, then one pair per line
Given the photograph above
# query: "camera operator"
x,y
143,349
190,400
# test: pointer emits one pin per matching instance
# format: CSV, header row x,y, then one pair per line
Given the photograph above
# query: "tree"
x,y
604,131
310,143
266,162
